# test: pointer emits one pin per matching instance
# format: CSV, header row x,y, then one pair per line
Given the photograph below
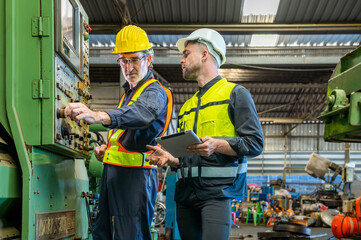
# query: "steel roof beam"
x,y
174,29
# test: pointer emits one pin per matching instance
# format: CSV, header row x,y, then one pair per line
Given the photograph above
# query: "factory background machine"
x,y
45,192
342,118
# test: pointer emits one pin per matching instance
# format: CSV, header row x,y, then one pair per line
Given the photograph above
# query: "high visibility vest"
x,y
208,116
115,153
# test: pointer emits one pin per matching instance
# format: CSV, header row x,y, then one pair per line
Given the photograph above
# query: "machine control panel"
x,y
70,88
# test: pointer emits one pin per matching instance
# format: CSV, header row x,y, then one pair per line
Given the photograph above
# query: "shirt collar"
x,y
204,89
140,83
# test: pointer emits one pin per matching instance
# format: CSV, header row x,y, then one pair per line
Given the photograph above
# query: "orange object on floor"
x,y
271,221
346,226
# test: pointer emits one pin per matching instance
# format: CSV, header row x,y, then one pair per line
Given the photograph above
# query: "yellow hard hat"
x,y
131,39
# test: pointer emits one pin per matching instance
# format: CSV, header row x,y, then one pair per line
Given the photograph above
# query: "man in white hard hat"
x,y
224,116
129,184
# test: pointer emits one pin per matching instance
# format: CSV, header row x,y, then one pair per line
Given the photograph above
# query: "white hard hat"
x,y
214,41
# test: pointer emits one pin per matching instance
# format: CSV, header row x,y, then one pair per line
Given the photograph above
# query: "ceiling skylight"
x,y
264,40
260,7
259,11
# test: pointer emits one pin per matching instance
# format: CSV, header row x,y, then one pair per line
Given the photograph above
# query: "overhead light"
x,y
331,44
294,44
260,7
264,40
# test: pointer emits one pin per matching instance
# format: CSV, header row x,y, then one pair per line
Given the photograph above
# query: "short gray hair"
x,y
150,52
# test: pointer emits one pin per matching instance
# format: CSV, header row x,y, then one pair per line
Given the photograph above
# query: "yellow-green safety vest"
x,y
208,116
115,153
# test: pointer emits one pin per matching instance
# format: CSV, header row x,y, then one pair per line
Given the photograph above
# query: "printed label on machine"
x,y
55,225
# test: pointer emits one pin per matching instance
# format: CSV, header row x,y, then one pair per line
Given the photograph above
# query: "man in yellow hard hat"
x,y
129,184
224,116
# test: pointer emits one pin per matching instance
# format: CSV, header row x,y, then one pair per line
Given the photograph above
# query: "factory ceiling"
x,y
284,57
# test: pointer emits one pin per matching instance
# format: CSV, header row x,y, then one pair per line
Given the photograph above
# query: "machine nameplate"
x,y
55,225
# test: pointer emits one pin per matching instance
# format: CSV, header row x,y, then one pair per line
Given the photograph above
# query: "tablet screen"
x,y
176,144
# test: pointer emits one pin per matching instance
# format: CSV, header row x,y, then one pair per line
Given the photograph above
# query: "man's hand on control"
x,y
78,111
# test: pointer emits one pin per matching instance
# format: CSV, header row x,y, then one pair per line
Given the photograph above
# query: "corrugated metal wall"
x,y
272,163
301,143
305,138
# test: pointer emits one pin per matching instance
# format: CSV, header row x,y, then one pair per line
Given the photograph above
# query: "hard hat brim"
x,y
114,52
182,41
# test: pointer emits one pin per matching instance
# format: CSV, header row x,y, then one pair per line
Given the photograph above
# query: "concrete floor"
x,y
249,232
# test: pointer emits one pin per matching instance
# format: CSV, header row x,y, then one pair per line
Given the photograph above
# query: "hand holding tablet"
x,y
176,144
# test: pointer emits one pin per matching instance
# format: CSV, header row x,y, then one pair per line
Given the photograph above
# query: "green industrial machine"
x,y
342,118
44,182
342,115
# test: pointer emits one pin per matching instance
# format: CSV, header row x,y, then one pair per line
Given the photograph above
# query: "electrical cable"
x,y
100,137
342,225
88,213
94,141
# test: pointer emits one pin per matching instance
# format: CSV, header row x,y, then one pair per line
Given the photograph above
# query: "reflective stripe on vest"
x,y
215,172
115,153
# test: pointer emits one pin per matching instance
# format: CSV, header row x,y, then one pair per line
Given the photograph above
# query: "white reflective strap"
x,y
242,168
215,171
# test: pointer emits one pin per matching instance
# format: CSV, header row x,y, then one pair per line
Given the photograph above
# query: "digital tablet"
x,y
177,143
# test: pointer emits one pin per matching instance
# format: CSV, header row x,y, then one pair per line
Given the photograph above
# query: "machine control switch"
x,y
80,86
58,136
60,113
75,135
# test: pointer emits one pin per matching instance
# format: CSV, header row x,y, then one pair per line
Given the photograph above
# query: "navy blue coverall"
x,y
128,194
